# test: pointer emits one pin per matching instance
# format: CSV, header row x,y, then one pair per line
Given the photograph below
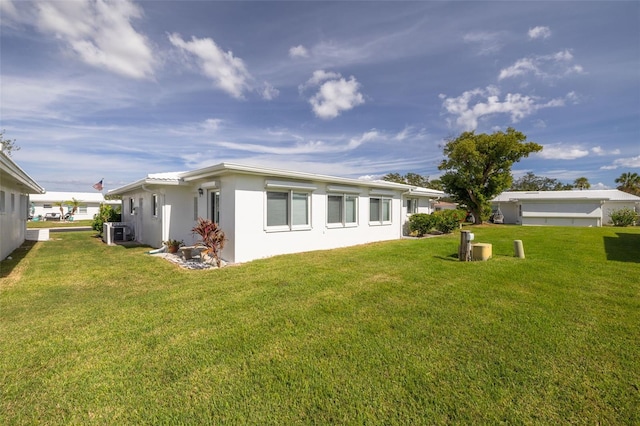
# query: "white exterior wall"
x,y
510,212
92,209
561,213
610,206
251,239
13,219
174,220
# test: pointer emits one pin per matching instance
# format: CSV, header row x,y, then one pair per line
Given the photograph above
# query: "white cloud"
x,y
599,151
318,77
563,152
269,92
335,94
298,52
487,42
100,34
552,66
469,111
631,162
600,185
539,32
227,72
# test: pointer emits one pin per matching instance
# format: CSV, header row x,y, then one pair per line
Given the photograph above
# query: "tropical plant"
x,y
60,205
74,204
173,245
581,183
478,167
212,238
629,182
623,217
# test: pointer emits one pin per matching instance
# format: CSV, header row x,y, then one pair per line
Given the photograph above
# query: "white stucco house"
x,y
563,208
89,203
15,188
265,212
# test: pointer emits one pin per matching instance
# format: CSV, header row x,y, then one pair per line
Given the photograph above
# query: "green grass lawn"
x,y
58,223
389,333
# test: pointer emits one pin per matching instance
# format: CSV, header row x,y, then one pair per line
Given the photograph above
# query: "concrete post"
x,y
518,249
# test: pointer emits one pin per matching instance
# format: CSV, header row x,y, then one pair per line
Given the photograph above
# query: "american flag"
x,y
98,186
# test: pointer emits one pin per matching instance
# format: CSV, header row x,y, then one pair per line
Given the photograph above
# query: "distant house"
x,y
89,203
15,188
563,208
265,212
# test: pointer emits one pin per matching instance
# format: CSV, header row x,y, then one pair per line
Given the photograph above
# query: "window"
x,y
47,206
82,209
13,203
215,206
412,205
342,210
195,208
154,204
288,210
379,211
131,206
2,202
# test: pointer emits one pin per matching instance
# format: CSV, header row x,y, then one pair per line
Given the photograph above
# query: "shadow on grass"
x,y
8,265
623,248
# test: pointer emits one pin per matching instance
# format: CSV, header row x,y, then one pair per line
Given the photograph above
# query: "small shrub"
x,y
212,237
420,224
446,221
623,217
105,214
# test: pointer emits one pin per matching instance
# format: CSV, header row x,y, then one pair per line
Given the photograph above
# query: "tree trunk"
x,y
477,219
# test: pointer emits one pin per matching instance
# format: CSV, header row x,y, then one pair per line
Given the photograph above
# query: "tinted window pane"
x,y
277,208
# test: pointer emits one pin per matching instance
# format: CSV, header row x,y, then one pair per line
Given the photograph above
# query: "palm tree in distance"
x,y
629,182
582,183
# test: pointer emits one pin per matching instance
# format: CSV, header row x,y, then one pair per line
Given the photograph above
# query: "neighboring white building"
x,y
265,212
563,208
15,187
89,203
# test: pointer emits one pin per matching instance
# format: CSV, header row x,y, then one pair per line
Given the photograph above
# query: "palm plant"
x,y
74,204
582,183
629,182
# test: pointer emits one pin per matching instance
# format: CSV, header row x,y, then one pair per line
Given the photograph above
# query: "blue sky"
x,y
118,90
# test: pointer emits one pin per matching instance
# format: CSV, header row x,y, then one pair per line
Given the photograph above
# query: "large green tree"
x,y
478,166
629,182
532,182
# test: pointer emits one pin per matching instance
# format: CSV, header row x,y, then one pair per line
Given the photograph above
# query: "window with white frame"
x,y
13,202
379,210
131,206
342,210
288,210
47,206
154,204
2,202
412,205
215,206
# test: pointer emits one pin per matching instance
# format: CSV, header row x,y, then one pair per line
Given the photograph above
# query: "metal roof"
x,y
86,197
177,178
588,195
12,171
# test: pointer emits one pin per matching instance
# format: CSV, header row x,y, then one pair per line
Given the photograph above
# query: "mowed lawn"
x,y
397,332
